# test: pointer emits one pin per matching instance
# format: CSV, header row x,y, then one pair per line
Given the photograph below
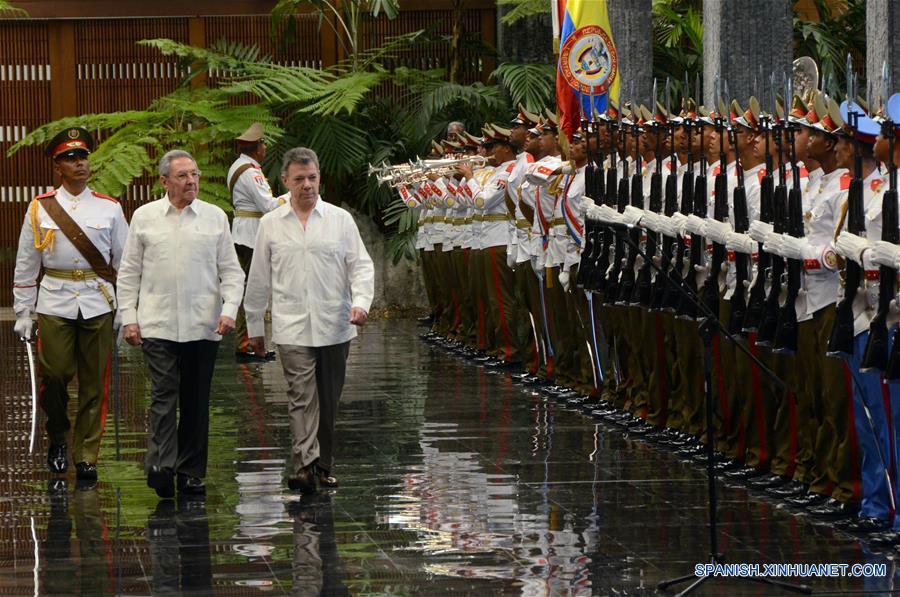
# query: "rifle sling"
x,y
237,175
78,238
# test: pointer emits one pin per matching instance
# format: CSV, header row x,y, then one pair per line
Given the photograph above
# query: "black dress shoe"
x,y
57,487
302,482
56,458
324,477
885,538
788,490
833,509
251,357
190,485
162,480
807,500
744,473
766,481
866,524
86,471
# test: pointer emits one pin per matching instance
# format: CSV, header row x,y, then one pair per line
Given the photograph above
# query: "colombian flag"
x,y
587,70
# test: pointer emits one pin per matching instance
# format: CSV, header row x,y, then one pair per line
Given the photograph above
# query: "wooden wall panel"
x,y
114,73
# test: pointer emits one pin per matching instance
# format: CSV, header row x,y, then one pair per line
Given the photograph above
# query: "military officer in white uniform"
x,y
251,197
74,300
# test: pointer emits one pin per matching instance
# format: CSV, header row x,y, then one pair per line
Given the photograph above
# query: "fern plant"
x,y
532,85
8,11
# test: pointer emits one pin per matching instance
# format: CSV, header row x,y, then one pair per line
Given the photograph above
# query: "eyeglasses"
x,y
185,176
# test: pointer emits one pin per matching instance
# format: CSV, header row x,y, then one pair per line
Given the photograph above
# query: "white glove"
x,y
740,243
885,253
564,280
24,325
772,243
678,222
694,224
511,251
794,248
759,229
632,215
666,226
585,204
607,214
650,220
717,231
568,167
850,246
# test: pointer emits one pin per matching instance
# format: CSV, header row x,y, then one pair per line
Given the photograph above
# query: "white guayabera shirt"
x,y
314,276
179,271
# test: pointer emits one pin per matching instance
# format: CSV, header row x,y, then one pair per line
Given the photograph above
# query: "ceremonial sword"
x,y
33,394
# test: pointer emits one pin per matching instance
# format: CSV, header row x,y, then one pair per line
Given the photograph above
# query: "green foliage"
x,y
678,44
522,9
533,85
201,121
8,11
840,30
343,17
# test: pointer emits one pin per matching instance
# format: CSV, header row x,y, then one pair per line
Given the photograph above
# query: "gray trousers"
x,y
180,378
315,380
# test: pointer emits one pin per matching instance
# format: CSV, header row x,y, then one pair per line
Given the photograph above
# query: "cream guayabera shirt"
x,y
314,276
179,272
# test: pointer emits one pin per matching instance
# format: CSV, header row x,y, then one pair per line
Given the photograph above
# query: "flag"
x,y
587,74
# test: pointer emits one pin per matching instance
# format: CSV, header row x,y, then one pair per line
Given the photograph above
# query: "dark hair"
x,y
298,155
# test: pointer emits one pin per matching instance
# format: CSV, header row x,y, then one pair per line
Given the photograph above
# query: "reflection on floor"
x,y
452,480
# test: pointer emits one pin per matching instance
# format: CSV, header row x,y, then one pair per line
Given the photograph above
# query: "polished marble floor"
x,y
453,480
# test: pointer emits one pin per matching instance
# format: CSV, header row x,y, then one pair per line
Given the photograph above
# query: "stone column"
x,y
882,45
527,41
631,22
744,42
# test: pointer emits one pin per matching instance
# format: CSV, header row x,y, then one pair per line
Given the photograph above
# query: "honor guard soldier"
x,y
76,235
251,197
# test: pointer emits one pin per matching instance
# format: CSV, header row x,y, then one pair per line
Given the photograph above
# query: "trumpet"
x,y
418,171
475,161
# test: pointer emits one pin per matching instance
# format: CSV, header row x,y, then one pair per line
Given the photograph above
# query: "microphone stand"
x,y
708,325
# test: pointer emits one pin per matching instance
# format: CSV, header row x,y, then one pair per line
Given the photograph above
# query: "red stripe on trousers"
x,y
758,401
661,367
495,270
854,448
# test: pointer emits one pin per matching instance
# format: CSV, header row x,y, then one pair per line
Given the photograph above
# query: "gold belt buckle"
x,y
78,275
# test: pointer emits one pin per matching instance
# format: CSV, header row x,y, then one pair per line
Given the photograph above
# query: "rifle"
x,y
599,281
621,195
876,355
644,287
688,309
591,174
627,283
669,276
741,260
720,213
841,341
757,301
786,330
766,333
889,221
673,298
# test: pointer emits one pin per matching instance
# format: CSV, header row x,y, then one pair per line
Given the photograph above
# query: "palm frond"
x,y
8,11
523,9
342,147
532,85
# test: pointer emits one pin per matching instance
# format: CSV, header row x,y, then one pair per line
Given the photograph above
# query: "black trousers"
x,y
180,378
